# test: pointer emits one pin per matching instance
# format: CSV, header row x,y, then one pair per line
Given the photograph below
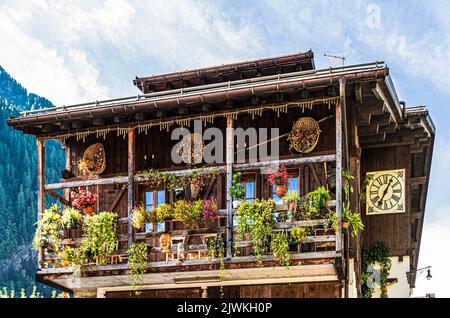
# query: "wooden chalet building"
x,y
364,128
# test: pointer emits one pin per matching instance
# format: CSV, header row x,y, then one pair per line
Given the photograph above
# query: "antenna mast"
x,y
336,57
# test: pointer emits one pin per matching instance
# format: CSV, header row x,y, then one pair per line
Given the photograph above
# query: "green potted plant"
x,y
140,217
49,229
292,199
71,218
100,235
314,202
237,191
255,220
163,213
280,179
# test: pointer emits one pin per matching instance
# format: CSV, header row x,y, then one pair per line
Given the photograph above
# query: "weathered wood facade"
x,y
364,127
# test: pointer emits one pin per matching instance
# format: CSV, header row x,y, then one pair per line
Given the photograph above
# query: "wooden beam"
x,y
229,165
379,93
85,183
286,162
131,170
40,192
236,167
117,199
57,197
98,122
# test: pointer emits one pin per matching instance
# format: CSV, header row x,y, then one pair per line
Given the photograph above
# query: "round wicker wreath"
x,y
304,135
195,142
94,161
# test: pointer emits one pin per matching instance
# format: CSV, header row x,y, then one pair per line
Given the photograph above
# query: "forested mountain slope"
x,y
18,185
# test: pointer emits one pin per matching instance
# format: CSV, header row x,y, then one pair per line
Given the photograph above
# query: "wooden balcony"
x,y
317,248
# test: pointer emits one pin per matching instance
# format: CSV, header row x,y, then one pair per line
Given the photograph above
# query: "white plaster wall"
x,y
398,270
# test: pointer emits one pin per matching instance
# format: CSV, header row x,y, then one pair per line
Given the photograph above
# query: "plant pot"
x,y
195,190
344,224
179,194
73,225
236,204
331,181
88,210
280,191
293,206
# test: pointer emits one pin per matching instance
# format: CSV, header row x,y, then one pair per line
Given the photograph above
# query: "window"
x,y
292,186
152,199
250,193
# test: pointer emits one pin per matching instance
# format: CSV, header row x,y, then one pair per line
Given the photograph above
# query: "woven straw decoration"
x,y
193,141
304,135
94,161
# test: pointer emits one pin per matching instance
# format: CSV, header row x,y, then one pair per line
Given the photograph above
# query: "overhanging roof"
x,y
32,121
301,61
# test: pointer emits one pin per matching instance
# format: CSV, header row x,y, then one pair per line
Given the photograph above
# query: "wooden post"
x,y
68,167
131,170
229,165
339,160
40,189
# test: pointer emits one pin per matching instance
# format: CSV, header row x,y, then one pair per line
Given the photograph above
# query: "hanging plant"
x,y
216,250
255,219
378,253
279,246
154,178
332,221
353,220
48,232
137,261
237,191
298,234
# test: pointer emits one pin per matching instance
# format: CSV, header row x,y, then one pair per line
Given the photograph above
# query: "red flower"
x,y
280,177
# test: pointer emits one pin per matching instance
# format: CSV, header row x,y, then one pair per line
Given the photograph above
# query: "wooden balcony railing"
x,y
319,245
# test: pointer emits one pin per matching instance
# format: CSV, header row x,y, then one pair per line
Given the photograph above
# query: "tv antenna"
x,y
336,57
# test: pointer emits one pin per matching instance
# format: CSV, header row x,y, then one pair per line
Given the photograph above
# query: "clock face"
x,y
385,192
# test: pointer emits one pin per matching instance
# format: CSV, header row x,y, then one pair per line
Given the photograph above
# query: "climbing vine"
x,y
380,254
216,250
137,260
256,219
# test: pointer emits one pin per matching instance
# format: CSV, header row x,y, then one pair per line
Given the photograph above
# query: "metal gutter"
x,y
203,94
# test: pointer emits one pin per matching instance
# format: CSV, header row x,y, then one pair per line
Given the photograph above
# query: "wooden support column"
x,y
229,167
68,166
339,160
40,189
131,171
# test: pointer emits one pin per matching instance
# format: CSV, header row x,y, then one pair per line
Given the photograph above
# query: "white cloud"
x,y
433,251
72,51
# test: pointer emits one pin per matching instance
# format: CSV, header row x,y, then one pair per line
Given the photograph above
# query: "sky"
x,y
77,51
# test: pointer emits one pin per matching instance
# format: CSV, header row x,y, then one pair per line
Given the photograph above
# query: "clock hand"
x,y
384,192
